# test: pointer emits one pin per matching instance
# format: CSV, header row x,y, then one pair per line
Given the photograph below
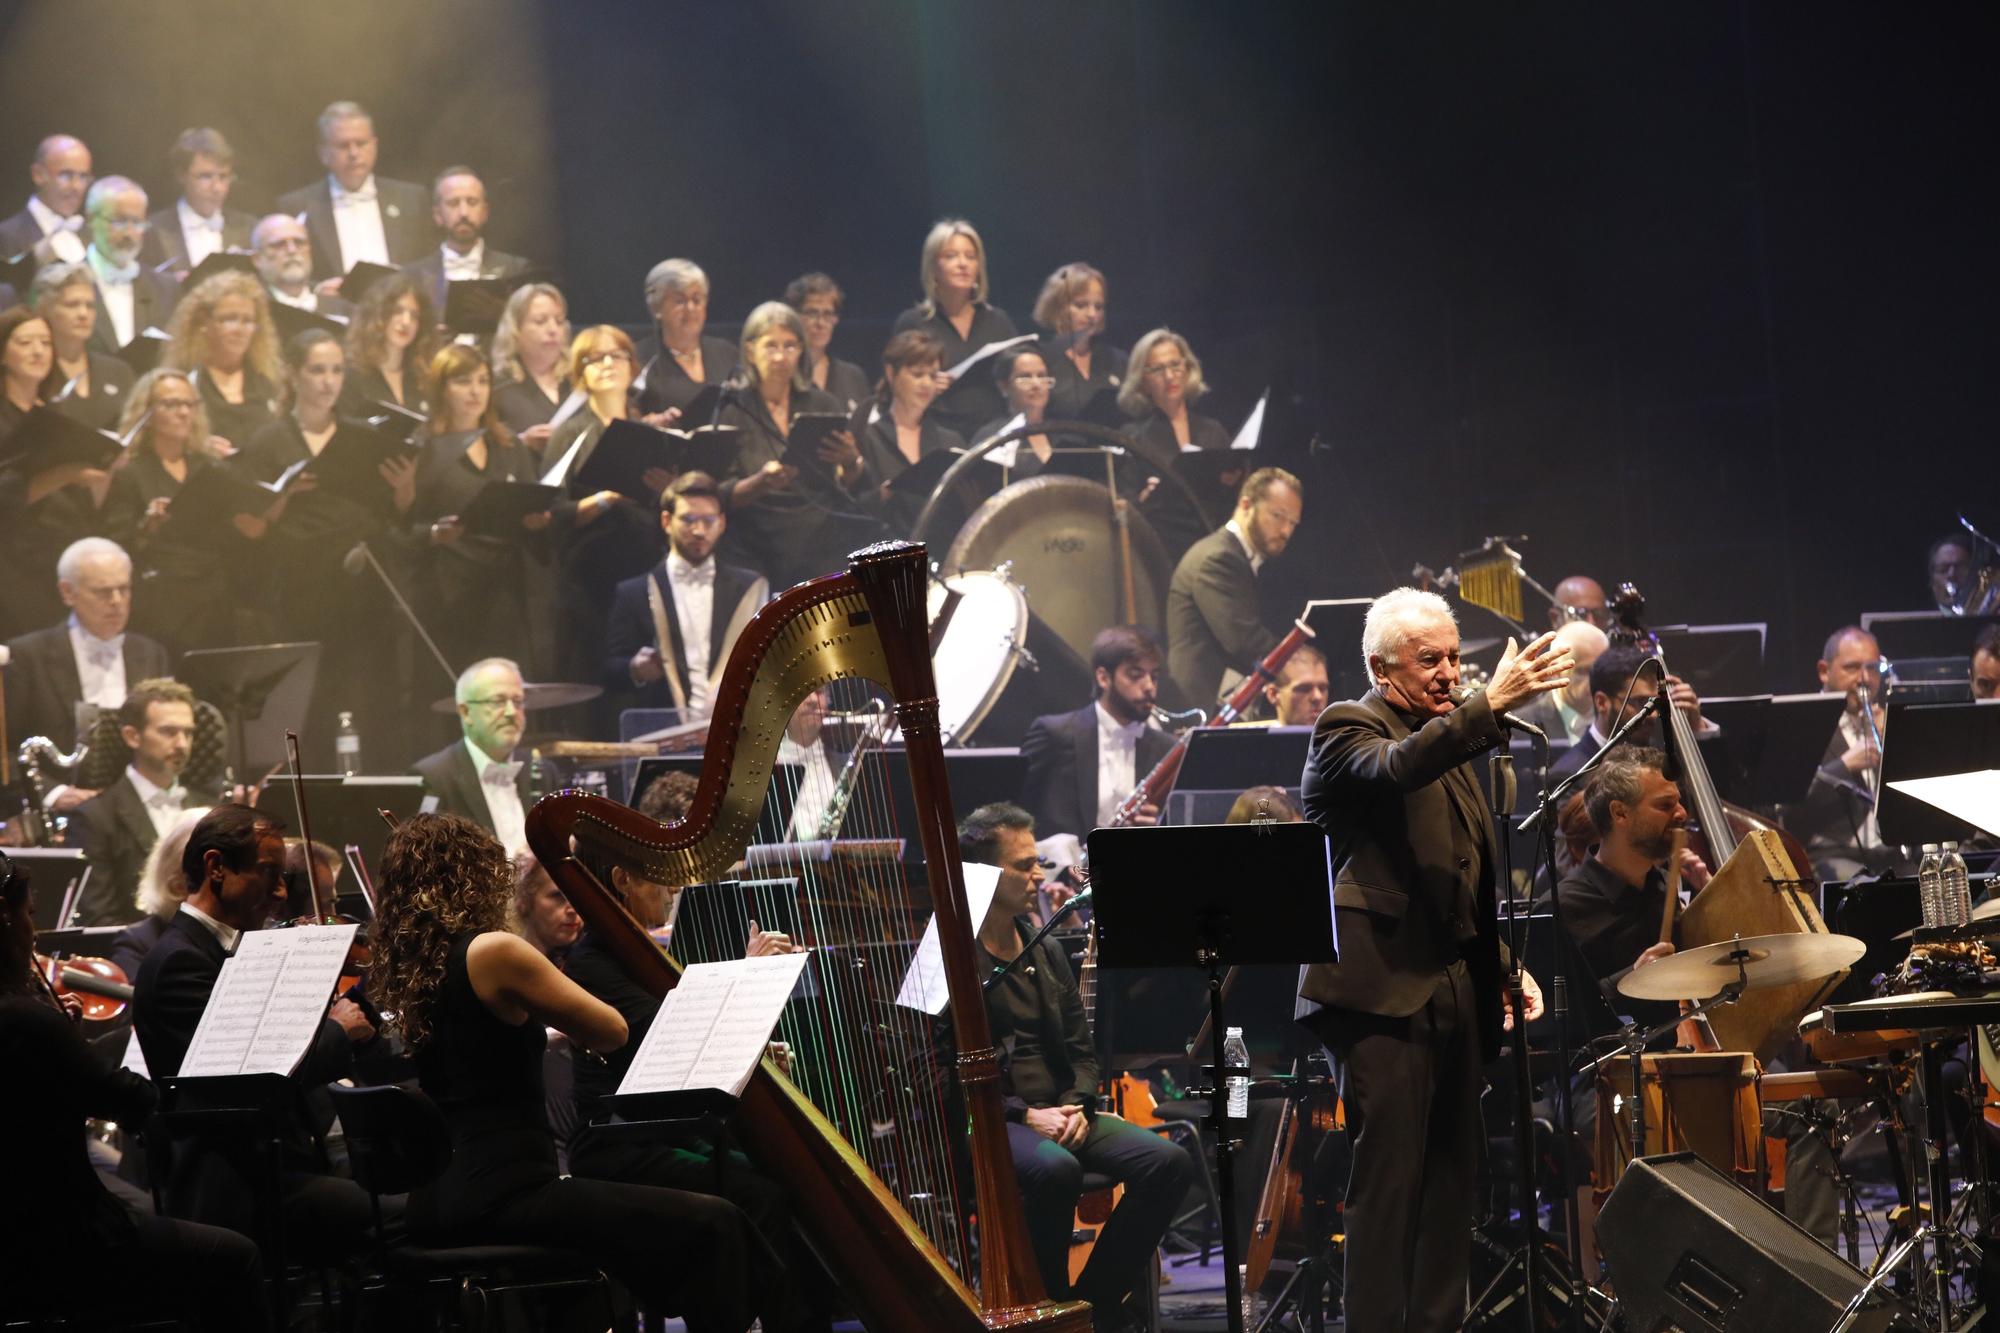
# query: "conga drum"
x,y
1705,1103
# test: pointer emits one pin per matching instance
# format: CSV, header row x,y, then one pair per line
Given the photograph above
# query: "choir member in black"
x,y
474,588
1024,379
955,311
222,336
791,523
84,383
1049,1083
390,342
1071,307
601,539
818,299
65,1231
40,513
1163,382
185,582
906,432
475,1002
312,599
530,356
281,250
675,360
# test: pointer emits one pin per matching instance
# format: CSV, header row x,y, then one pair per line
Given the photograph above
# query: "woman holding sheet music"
x,y
1087,373
221,335
389,346
955,312
40,513
87,385
475,1001
905,433
678,359
818,299
530,356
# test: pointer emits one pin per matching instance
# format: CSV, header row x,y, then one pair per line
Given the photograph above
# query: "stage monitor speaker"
x,y
1690,1252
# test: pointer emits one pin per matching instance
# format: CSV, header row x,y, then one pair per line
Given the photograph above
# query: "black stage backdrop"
x,y
1695,295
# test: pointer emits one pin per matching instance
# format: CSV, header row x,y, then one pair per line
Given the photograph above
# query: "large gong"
x,y
1063,541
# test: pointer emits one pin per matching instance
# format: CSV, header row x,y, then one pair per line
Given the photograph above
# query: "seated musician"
x,y
477,1026
1618,689
1214,637
1836,821
1985,668
539,912
805,745
64,1231
162,887
234,865
1049,1082
477,777
1566,714
673,627
1082,765
1579,598
1299,695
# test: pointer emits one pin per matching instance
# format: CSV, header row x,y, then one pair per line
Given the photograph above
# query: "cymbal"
x,y
1767,960
553,694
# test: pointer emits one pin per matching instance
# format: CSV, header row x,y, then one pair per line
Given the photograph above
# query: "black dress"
x,y
592,559
1075,398
237,422
847,382
366,389
974,398
1179,525
659,382
807,528
686,1254
33,536
110,386
885,462
186,589
474,590
521,404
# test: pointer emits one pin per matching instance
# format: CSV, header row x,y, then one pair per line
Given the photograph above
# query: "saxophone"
x,y
35,752
877,711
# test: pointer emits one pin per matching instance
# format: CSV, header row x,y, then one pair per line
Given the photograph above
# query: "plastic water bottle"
x,y
1930,886
1955,884
347,746
1236,1053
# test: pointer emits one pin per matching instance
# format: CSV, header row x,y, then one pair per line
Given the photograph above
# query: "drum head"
x,y
1059,536
976,657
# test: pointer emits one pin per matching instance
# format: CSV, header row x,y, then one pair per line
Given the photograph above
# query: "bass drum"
x,y
1060,537
984,641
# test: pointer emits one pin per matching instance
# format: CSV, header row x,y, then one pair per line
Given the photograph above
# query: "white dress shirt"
x,y
694,608
1117,762
357,220
229,935
203,235
163,804
503,798
67,242
465,267
1243,540
815,792
100,665
114,288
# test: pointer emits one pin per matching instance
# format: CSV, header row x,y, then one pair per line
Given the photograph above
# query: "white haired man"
x,y
130,297
59,678
1416,1003
478,777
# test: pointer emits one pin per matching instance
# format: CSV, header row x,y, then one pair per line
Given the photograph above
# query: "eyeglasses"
x,y
1165,368
697,520
503,702
127,224
606,358
286,243
1030,378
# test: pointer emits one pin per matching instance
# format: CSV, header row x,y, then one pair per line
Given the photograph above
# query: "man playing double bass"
x,y
1416,1003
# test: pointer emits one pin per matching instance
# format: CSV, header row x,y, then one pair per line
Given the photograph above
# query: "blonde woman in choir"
x,y
956,312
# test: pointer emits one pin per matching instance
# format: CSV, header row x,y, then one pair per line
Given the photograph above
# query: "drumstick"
x,y
1673,886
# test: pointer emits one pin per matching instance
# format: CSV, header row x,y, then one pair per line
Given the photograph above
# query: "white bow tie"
x,y
102,654
71,223
701,573
364,195
213,224
120,277
501,775
167,798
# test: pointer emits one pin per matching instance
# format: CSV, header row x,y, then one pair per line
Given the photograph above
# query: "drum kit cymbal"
x,y
1752,962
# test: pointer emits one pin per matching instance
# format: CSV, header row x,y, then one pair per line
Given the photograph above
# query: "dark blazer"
x,y
406,222
450,776
429,270
1414,858
164,240
1060,751
43,686
116,834
1830,819
110,384
631,628
1212,623
152,304
520,404
666,384
19,233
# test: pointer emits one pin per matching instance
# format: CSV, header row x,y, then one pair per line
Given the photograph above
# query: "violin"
x,y
99,984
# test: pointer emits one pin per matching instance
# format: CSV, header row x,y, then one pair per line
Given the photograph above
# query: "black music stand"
x,y
1222,762
247,682
1932,741
346,807
1768,746
1174,897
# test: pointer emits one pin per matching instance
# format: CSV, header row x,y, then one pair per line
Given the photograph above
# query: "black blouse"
x,y
1074,398
659,382
447,481
885,462
366,387
791,533
110,386
847,382
238,422
316,520
134,487
521,403
974,397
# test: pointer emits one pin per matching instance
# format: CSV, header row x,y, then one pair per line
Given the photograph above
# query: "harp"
x,y
902,1269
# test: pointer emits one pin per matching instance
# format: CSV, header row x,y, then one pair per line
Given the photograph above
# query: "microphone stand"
x,y
1081,900
403,606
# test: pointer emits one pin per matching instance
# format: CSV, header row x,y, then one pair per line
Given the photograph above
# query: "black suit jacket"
x,y
1061,755
1414,858
1212,623
450,776
429,270
19,233
406,222
43,687
115,832
152,304
164,240
630,628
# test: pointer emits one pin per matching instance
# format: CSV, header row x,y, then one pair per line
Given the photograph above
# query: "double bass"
x,y
867,623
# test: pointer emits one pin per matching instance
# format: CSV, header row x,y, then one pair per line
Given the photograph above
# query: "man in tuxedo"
x,y
459,208
672,628
1618,689
1214,637
477,777
1836,821
351,213
1298,696
234,864
200,223
130,297
88,660
118,827
52,221
1415,1005
1082,765
282,251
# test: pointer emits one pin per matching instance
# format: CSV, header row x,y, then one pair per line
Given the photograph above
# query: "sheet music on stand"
x,y
924,985
269,1002
714,1025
